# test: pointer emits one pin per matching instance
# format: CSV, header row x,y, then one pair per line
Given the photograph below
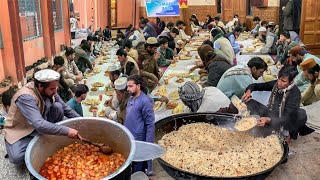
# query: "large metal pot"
x,y
174,122
95,129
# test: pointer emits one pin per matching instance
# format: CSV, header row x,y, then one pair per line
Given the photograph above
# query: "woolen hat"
x,y
308,64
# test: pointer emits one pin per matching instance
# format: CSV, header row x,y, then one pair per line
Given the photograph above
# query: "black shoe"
x,y
6,156
305,130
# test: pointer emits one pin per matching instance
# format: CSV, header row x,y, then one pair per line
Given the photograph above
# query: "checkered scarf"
x,y
191,95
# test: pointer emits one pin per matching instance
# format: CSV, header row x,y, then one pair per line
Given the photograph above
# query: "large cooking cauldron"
x,y
95,129
173,123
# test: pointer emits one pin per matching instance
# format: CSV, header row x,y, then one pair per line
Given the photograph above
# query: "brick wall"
x,y
270,14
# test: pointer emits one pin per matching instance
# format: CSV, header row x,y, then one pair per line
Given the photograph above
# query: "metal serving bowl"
x,y
95,129
174,122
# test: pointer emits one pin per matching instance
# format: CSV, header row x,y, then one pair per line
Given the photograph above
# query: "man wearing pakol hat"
x,y
198,99
296,56
35,109
269,39
311,71
119,113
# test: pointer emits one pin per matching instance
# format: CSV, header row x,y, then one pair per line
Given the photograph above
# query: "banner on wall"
x,y
157,8
183,4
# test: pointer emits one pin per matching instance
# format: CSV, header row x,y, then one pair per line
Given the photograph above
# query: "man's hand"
x,y
241,46
72,133
61,69
202,71
164,99
108,102
247,96
263,121
156,56
193,69
79,77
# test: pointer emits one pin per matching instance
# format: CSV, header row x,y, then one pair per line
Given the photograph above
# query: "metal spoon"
x,y
144,150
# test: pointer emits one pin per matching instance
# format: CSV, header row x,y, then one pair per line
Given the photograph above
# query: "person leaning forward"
x,y
35,109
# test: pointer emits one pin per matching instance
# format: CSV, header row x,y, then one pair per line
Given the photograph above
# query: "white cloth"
x,y
74,24
213,100
137,37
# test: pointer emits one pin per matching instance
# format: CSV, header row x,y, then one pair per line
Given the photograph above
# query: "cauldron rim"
x,y
285,148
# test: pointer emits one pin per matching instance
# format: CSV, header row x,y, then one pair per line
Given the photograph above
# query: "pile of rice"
x,y
209,150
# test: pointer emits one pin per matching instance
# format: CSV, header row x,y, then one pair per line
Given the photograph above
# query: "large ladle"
x,y
144,150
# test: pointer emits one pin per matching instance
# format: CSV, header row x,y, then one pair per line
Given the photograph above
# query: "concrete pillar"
x,y
48,28
12,52
66,22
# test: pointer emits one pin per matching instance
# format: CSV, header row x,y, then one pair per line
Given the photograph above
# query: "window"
x,y
57,15
30,19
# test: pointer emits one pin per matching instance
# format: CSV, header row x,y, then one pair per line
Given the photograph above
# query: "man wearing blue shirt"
x,y
81,91
232,38
140,117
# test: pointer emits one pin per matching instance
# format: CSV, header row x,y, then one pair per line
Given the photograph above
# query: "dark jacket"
x,y
288,16
149,64
166,35
288,110
215,70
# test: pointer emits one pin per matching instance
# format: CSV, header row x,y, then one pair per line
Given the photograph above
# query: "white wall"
x,y
190,2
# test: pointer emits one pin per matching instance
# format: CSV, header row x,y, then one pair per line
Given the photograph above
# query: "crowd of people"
x,y
144,54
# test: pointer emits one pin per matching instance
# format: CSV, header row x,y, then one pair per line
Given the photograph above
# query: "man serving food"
x,y
35,109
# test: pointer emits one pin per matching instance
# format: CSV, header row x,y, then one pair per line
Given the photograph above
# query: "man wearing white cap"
x,y
119,113
35,109
114,73
269,39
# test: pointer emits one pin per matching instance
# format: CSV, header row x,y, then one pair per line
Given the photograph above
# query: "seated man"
x,y
256,22
283,112
166,53
169,36
81,57
208,99
284,45
64,90
118,112
232,36
311,71
149,56
297,56
128,65
80,94
269,39
35,108
71,73
223,44
131,51
236,79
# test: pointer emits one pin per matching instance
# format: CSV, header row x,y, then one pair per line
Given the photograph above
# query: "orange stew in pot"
x,y
81,161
